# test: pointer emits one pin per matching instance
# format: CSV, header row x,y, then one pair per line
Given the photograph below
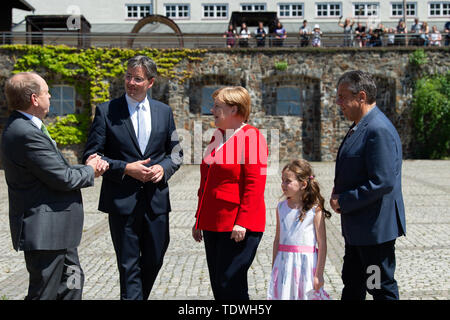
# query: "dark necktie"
x,y
351,131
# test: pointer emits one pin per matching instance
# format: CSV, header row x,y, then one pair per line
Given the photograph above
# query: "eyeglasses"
x,y
129,77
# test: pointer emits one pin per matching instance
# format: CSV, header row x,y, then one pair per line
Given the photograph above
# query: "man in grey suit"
x,y
45,205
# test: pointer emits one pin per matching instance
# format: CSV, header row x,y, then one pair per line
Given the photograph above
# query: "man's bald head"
x,y
20,87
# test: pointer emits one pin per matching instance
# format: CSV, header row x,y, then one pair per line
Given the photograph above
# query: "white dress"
x,y
295,264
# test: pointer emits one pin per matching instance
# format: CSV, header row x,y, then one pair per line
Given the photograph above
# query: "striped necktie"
x,y
142,128
45,131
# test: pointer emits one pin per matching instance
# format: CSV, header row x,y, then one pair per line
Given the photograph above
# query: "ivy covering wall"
x,y
89,70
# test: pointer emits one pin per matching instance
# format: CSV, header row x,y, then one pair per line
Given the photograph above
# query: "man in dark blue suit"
x,y
367,191
137,137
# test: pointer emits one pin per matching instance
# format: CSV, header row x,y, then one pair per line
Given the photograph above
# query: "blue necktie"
x,y
142,128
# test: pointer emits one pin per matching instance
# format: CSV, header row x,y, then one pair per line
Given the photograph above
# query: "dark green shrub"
x,y
431,117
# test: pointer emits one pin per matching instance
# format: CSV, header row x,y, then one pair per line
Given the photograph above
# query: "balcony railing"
x,y
171,40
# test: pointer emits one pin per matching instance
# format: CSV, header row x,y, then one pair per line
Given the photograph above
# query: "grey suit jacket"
x,y
45,205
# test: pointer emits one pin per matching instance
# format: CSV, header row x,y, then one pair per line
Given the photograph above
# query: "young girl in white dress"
x,y
300,244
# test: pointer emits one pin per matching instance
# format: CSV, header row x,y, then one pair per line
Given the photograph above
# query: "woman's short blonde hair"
x,y
235,96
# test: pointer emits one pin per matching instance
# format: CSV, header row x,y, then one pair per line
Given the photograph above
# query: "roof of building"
x,y
21,4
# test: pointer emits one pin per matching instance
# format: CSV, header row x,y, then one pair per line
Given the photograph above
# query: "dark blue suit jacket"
x,y
368,181
113,135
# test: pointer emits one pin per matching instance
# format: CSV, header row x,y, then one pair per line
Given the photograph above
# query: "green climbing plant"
x,y
89,71
418,58
281,65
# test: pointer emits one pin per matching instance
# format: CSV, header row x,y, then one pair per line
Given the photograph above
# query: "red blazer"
x,y
233,179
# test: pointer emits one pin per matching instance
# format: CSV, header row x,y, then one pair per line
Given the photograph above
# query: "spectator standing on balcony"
x,y
230,35
415,28
304,33
391,37
244,35
348,29
424,32
377,36
360,34
369,36
447,31
260,35
280,35
435,37
400,33
316,36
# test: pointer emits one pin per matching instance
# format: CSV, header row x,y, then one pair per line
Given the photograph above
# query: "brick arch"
x,y
157,18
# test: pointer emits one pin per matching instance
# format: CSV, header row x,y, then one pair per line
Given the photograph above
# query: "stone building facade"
x,y
313,133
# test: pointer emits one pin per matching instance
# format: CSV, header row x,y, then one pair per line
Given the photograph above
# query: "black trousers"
x,y
140,241
369,269
228,263
54,275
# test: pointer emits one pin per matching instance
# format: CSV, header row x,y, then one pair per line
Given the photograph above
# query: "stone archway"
x,y
156,18
301,123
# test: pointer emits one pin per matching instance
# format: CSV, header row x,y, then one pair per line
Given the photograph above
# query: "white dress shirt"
x,y
132,104
35,120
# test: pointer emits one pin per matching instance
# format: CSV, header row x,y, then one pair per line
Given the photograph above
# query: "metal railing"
x,y
171,40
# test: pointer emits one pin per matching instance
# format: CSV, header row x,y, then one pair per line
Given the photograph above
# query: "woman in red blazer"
x,y
231,213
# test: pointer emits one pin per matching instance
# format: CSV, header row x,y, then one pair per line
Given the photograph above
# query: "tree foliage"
x,y
431,116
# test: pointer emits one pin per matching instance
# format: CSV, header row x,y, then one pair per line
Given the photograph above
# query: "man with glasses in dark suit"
x,y
138,138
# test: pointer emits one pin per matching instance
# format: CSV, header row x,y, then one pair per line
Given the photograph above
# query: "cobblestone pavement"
x,y
423,256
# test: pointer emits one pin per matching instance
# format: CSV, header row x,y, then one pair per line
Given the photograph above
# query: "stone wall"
x,y
318,131
315,133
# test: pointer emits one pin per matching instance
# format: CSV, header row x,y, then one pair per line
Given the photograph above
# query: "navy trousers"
x,y
369,269
228,263
140,241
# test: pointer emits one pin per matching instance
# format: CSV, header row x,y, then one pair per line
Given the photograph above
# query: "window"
x,y
253,7
397,9
328,9
138,11
207,100
439,9
62,101
290,10
288,101
365,9
177,11
217,11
